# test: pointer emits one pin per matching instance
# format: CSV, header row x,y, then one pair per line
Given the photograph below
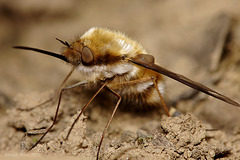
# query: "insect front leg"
x,y
53,96
57,109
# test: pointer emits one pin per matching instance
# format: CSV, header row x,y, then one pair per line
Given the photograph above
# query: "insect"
x,y
109,59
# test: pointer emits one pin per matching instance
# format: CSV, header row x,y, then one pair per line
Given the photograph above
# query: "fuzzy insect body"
x,y
108,50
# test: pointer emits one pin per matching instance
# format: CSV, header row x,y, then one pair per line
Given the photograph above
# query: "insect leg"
x,y
132,82
155,86
84,109
160,95
57,109
53,96
109,121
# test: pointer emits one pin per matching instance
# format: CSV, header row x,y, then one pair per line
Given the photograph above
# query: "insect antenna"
x,y
63,42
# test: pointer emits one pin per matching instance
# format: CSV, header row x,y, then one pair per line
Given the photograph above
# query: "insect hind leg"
x,y
161,97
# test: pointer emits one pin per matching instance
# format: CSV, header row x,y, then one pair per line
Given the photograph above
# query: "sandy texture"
x,y
199,39
169,138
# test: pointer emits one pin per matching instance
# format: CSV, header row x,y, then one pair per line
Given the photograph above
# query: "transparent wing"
x,y
143,60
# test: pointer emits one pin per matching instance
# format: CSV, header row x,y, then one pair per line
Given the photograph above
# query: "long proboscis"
x,y
184,80
59,56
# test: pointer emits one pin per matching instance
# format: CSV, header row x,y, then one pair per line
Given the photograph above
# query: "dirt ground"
x,y
199,39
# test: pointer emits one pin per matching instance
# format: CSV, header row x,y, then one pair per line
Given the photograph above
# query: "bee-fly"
x,y
123,67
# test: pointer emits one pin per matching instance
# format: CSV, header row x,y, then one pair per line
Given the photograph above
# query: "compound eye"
x,y
87,56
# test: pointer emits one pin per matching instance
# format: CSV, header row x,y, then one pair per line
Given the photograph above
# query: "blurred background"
x,y
197,38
